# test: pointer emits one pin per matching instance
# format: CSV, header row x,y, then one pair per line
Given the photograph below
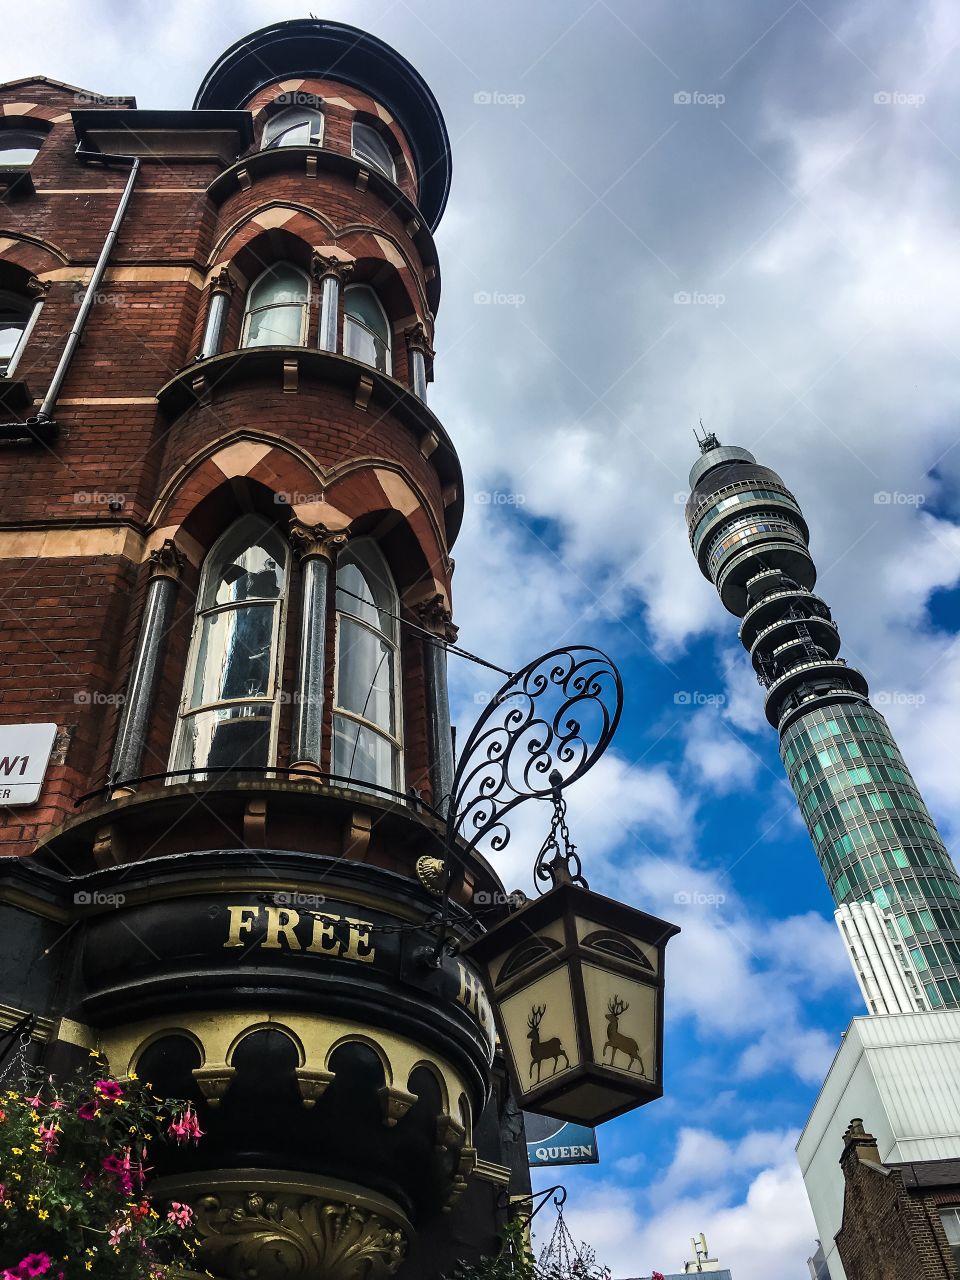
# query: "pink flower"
x,y
118,1232
34,1264
34,1103
187,1128
180,1214
109,1090
120,1169
50,1139
88,1110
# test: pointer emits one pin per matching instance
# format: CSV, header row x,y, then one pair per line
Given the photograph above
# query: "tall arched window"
x,y
366,721
278,307
366,331
370,147
228,712
295,127
15,316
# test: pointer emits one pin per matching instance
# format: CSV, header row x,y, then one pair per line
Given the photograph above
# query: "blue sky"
x,y
745,213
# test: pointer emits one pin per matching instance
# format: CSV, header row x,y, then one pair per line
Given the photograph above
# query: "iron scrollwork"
x,y
541,731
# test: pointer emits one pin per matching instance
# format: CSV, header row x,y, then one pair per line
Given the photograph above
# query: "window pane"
x,y
362,754
295,128
276,327
253,574
365,674
368,145
361,304
233,657
10,333
364,593
361,344
227,736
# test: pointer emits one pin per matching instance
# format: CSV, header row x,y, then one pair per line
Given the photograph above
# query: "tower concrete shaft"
x,y
873,834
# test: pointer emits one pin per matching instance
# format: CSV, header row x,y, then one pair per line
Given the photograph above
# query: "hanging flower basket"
x,y
74,1157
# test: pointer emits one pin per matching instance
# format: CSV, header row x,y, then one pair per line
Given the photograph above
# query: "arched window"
x,y
19,147
366,332
370,147
16,314
231,690
278,306
366,721
295,127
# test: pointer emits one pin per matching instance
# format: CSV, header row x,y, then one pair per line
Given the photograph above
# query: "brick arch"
x,y
273,216
363,493
17,112
34,255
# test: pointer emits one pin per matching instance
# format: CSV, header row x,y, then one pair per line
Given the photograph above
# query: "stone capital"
x,y
223,282
417,339
167,561
436,617
316,540
322,264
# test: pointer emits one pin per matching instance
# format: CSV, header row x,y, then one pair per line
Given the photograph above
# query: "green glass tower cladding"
x,y
872,832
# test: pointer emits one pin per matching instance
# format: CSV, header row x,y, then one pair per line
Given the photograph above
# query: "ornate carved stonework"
x,y
167,560
316,540
328,265
418,339
436,617
222,282
277,1227
37,288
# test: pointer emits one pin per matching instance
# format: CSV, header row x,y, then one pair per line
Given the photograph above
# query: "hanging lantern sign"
x,y
576,985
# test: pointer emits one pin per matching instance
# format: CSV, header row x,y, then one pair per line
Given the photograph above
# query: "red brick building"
x,y
226,518
899,1220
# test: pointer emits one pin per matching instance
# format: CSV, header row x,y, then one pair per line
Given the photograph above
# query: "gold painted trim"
x,y
219,1033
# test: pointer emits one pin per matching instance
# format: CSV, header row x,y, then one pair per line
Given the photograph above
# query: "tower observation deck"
x,y
873,834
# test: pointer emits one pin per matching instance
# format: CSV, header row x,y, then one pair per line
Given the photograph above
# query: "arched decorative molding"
x,y
267,1024
301,222
360,1037
217,1033
161,1033
245,450
427,1065
34,111
12,240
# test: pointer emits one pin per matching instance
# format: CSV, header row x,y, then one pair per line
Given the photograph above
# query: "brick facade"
x,y
80,513
891,1225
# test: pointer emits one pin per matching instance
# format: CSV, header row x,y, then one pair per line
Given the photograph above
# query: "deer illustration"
x,y
540,1052
617,1042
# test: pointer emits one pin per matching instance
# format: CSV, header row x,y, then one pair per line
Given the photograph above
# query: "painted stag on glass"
x,y
616,1041
540,1051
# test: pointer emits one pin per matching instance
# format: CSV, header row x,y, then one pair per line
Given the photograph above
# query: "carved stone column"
x,y
419,354
277,1226
166,565
316,547
435,617
221,289
331,274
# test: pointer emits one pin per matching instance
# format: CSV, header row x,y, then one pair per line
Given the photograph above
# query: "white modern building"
x,y
886,971
901,1074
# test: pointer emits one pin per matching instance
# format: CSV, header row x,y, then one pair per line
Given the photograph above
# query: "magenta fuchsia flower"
x,y
109,1090
34,1103
120,1169
50,1139
187,1128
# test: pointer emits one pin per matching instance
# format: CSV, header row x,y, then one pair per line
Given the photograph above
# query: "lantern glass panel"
x,y
623,1022
541,1030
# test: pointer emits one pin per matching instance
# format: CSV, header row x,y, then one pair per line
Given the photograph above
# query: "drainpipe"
x,y
42,425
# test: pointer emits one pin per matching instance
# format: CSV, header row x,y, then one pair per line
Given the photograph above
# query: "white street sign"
x,y
24,755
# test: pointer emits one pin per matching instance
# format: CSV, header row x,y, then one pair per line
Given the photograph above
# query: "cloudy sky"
x,y
664,211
